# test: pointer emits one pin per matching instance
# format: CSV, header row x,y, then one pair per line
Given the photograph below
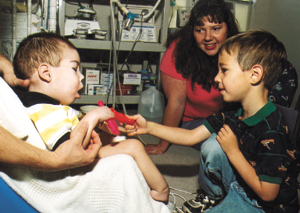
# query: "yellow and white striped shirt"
x,y
52,121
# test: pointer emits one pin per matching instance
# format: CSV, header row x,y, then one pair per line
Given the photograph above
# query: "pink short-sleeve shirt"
x,y
200,103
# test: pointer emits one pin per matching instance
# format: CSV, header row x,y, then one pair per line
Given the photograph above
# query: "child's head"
x,y
51,63
39,48
258,47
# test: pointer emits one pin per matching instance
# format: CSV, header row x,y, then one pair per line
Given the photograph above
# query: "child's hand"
x,y
100,114
228,140
140,126
94,117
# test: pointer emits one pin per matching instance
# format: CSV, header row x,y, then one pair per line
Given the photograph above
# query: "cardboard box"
x,y
132,79
126,89
91,77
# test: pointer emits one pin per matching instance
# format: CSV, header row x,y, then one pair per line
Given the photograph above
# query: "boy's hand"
x,y
94,117
228,140
140,126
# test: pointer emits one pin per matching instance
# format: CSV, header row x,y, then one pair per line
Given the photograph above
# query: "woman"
x,y
189,65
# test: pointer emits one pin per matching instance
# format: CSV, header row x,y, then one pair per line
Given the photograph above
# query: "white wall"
x,y
282,18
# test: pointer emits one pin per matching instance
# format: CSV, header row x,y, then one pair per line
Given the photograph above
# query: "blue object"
x,y
11,202
131,16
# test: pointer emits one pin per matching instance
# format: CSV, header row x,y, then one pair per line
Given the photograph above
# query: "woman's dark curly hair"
x,y
191,62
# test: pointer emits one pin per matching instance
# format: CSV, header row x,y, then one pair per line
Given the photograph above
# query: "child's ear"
x,y
257,74
44,71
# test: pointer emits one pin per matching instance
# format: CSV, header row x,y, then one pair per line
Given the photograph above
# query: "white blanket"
x,y
113,184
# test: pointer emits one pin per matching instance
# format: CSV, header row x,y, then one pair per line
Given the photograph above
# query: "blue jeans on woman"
x,y
217,179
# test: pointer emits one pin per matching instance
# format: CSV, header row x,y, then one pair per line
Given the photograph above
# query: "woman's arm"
x,y
228,141
68,155
175,92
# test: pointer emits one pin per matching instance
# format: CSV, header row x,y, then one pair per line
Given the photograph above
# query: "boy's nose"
x,y
81,77
217,79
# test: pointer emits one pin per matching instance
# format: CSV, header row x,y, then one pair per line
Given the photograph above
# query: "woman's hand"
x,y
156,149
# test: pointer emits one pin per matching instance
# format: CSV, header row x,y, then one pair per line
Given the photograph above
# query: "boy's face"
x,y
233,82
67,77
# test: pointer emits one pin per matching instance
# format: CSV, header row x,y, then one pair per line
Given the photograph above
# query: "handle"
x,y
111,123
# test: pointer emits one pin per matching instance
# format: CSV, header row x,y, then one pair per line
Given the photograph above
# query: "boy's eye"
x,y
216,28
223,70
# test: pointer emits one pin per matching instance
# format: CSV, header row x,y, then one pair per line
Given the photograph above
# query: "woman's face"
x,y
210,36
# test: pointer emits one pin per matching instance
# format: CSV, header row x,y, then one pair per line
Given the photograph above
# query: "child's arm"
x,y
94,117
174,135
228,141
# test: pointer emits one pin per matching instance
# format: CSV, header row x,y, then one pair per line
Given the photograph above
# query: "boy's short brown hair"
x,y
258,47
37,48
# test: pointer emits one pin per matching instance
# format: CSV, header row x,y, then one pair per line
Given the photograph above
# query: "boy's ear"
x,y
257,74
44,72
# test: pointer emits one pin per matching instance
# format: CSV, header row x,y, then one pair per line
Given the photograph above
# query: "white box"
x,y
91,76
132,79
72,24
148,34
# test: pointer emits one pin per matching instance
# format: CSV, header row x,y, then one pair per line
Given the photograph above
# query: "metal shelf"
x,y
124,46
93,99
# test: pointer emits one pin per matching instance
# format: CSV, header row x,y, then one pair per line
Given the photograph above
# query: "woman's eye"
x,y
216,28
198,30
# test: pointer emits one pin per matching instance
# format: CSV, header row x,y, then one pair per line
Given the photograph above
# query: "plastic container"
x,y
151,105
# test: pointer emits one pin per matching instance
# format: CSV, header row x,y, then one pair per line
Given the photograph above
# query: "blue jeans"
x,y
217,179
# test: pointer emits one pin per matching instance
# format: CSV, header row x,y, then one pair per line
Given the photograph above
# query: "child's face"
x,y
233,82
67,77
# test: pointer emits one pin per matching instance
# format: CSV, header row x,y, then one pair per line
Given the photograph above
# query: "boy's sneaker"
x,y
199,204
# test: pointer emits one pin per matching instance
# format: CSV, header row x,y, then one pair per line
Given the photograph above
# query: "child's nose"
x,y
217,78
81,77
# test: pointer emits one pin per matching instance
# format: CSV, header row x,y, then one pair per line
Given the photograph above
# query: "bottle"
x,y
151,105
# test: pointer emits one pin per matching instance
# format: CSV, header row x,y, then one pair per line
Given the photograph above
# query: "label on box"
x,y
92,76
90,89
97,89
132,79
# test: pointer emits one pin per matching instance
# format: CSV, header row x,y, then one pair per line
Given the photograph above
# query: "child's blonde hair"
x,y
43,47
258,47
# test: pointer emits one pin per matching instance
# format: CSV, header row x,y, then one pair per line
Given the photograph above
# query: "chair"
x,y
11,201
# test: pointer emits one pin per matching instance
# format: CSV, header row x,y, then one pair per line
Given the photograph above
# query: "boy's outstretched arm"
x,y
228,141
174,135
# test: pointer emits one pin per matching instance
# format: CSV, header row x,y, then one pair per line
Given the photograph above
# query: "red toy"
x,y
122,118
111,123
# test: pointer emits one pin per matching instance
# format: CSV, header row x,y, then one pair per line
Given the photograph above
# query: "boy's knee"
x,y
134,145
211,145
